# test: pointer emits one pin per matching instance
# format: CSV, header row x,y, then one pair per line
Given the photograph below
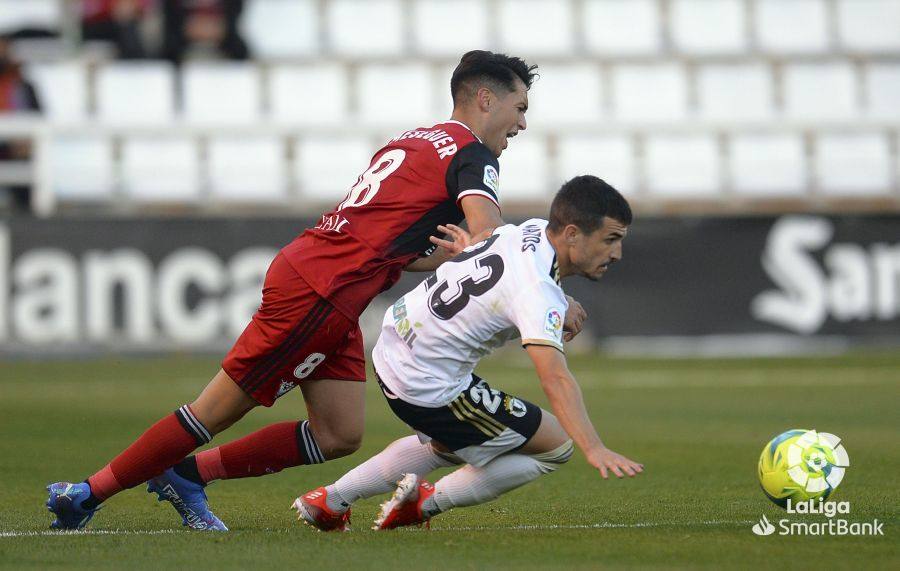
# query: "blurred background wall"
x,y
158,152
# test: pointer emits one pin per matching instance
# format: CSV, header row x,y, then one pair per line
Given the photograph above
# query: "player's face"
x,y
592,254
507,118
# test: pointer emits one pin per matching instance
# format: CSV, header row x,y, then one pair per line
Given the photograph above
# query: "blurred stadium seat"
x,y
652,92
221,93
820,91
524,170
883,90
622,27
135,93
535,27
768,165
31,15
853,164
611,157
295,94
82,167
247,169
160,169
569,95
365,29
62,88
735,92
869,25
449,29
395,94
704,27
682,165
327,166
268,35
797,26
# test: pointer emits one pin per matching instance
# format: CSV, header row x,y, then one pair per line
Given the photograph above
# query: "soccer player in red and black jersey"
x,y
306,331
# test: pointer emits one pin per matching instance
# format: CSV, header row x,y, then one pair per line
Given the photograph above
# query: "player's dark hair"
x,y
584,201
480,68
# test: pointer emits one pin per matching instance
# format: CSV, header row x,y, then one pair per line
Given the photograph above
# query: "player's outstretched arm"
x,y
482,217
566,401
455,240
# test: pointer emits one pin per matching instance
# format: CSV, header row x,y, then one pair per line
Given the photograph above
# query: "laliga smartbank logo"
x,y
832,525
798,470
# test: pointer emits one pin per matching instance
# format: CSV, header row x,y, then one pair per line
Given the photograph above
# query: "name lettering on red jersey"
x,y
439,139
332,222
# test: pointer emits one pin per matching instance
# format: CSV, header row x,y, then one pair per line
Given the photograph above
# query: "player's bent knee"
x,y
338,445
446,455
221,404
555,458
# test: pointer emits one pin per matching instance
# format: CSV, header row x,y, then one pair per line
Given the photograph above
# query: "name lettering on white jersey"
x,y
531,237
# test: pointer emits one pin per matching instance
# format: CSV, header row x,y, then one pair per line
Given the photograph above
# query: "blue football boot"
x,y
188,499
65,502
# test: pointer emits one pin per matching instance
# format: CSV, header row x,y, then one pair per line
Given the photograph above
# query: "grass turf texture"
x,y
698,425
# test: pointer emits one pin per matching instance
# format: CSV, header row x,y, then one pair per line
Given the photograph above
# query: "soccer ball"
x,y
802,465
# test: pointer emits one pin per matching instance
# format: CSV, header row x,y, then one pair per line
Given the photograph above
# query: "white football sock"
x,y
380,473
469,485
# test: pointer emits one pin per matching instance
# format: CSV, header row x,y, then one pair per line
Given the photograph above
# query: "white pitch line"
x,y
78,533
524,527
603,525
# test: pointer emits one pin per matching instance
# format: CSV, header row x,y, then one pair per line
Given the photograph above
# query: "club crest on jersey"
x,y
492,178
554,323
514,406
284,388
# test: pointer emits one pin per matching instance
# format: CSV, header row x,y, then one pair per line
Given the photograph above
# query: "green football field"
x,y
697,425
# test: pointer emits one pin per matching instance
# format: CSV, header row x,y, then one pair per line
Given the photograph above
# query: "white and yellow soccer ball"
x,y
802,465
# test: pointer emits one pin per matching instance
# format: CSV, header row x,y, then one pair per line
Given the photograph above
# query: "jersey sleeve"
x,y
474,171
539,313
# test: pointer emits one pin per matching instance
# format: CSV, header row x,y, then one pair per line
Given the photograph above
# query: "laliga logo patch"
x,y
554,323
285,388
492,178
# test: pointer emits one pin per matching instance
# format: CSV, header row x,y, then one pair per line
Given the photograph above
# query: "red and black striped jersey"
x,y
413,184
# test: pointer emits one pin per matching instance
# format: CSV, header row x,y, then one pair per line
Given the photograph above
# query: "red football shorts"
x,y
295,335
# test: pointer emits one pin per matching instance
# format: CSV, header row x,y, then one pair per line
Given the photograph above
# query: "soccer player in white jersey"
x,y
505,287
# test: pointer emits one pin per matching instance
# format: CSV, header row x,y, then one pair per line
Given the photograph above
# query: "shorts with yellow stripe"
x,y
479,425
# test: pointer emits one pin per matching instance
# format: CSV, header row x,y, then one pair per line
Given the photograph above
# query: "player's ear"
x,y
485,98
571,233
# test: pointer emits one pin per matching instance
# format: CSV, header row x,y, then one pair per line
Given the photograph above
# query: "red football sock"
x,y
266,451
164,444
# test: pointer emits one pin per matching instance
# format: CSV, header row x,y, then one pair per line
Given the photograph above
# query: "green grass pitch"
x,y
698,425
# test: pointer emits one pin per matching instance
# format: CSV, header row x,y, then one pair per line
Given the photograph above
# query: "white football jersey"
x,y
497,290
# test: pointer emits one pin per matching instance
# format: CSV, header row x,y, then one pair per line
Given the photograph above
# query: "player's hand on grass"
x,y
574,320
455,240
608,461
